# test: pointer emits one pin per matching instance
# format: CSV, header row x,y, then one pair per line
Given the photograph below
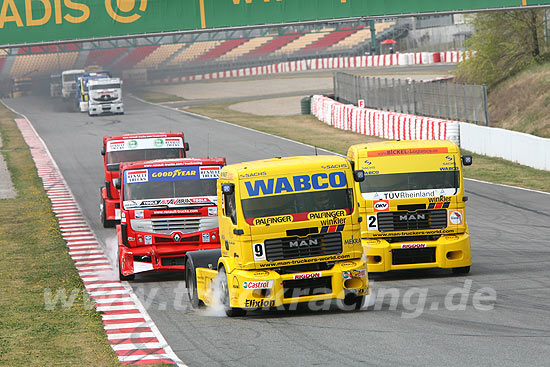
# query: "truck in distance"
x,y
105,96
82,95
68,82
130,148
55,85
289,232
168,207
413,203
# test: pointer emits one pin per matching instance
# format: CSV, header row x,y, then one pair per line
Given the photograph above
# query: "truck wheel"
x,y
191,283
103,213
120,275
359,302
461,271
229,311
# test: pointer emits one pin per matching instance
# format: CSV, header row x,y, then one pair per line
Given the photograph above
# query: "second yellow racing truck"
x,y
413,203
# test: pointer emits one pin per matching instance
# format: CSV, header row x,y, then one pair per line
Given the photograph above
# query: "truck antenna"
x,y
315,150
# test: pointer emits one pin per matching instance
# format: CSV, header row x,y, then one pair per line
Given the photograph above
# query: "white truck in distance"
x,y
105,96
68,81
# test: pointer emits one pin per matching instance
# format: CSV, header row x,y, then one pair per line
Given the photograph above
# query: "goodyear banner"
x,y
28,21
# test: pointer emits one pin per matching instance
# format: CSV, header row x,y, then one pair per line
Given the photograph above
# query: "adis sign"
x,y
41,12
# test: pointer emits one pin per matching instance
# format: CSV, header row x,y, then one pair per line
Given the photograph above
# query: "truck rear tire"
x,y
462,270
229,311
191,283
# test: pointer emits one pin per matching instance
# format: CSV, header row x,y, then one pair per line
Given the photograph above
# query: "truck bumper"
x,y
157,258
449,251
346,278
83,106
99,109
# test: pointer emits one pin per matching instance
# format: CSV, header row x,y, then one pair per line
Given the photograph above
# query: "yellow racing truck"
x,y
290,233
413,203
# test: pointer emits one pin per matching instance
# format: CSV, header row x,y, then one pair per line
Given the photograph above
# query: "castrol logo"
x,y
261,284
307,276
381,205
413,245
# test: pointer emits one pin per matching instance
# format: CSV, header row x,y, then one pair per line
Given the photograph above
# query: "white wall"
x,y
529,150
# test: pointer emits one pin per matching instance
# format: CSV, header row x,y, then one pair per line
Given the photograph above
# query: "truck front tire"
x,y
120,275
461,271
191,283
103,213
229,311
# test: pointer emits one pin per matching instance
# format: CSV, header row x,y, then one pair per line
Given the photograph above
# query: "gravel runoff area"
x,y
279,84
7,190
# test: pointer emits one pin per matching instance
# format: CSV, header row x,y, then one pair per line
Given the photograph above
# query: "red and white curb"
x,y
329,63
130,330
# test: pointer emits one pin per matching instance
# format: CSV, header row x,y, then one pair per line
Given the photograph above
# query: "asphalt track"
x,y
419,324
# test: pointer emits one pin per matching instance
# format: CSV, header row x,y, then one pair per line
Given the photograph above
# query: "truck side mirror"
x,y
103,150
467,160
359,175
116,183
113,167
186,146
228,188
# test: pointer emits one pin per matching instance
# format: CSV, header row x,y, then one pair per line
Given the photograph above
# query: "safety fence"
x,y
327,63
441,98
384,124
529,150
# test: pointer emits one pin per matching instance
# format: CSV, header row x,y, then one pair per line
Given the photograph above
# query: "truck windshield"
x,y
307,202
169,189
70,77
144,154
105,86
410,181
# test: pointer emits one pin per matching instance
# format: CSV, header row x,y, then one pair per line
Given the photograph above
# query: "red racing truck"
x,y
168,207
131,148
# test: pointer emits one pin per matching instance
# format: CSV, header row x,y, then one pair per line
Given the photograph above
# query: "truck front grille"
x,y
170,225
406,221
298,247
413,256
307,287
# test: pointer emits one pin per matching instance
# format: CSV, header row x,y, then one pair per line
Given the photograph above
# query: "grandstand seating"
x,y
245,48
328,40
301,42
135,56
226,46
104,58
270,47
359,37
158,56
352,40
193,51
48,59
40,64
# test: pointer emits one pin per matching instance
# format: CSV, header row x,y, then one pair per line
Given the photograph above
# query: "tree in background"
x,y
505,43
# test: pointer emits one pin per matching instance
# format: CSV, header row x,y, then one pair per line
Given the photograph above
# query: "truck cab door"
x,y
228,224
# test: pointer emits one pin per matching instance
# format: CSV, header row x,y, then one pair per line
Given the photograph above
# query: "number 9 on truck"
x,y
259,252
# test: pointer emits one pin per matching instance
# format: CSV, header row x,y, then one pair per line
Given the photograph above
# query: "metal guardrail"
x,y
441,99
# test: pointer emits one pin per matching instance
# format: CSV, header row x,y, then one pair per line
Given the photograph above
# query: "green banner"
x,y
30,21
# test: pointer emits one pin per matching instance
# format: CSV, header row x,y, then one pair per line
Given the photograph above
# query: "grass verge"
x,y
309,130
34,262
